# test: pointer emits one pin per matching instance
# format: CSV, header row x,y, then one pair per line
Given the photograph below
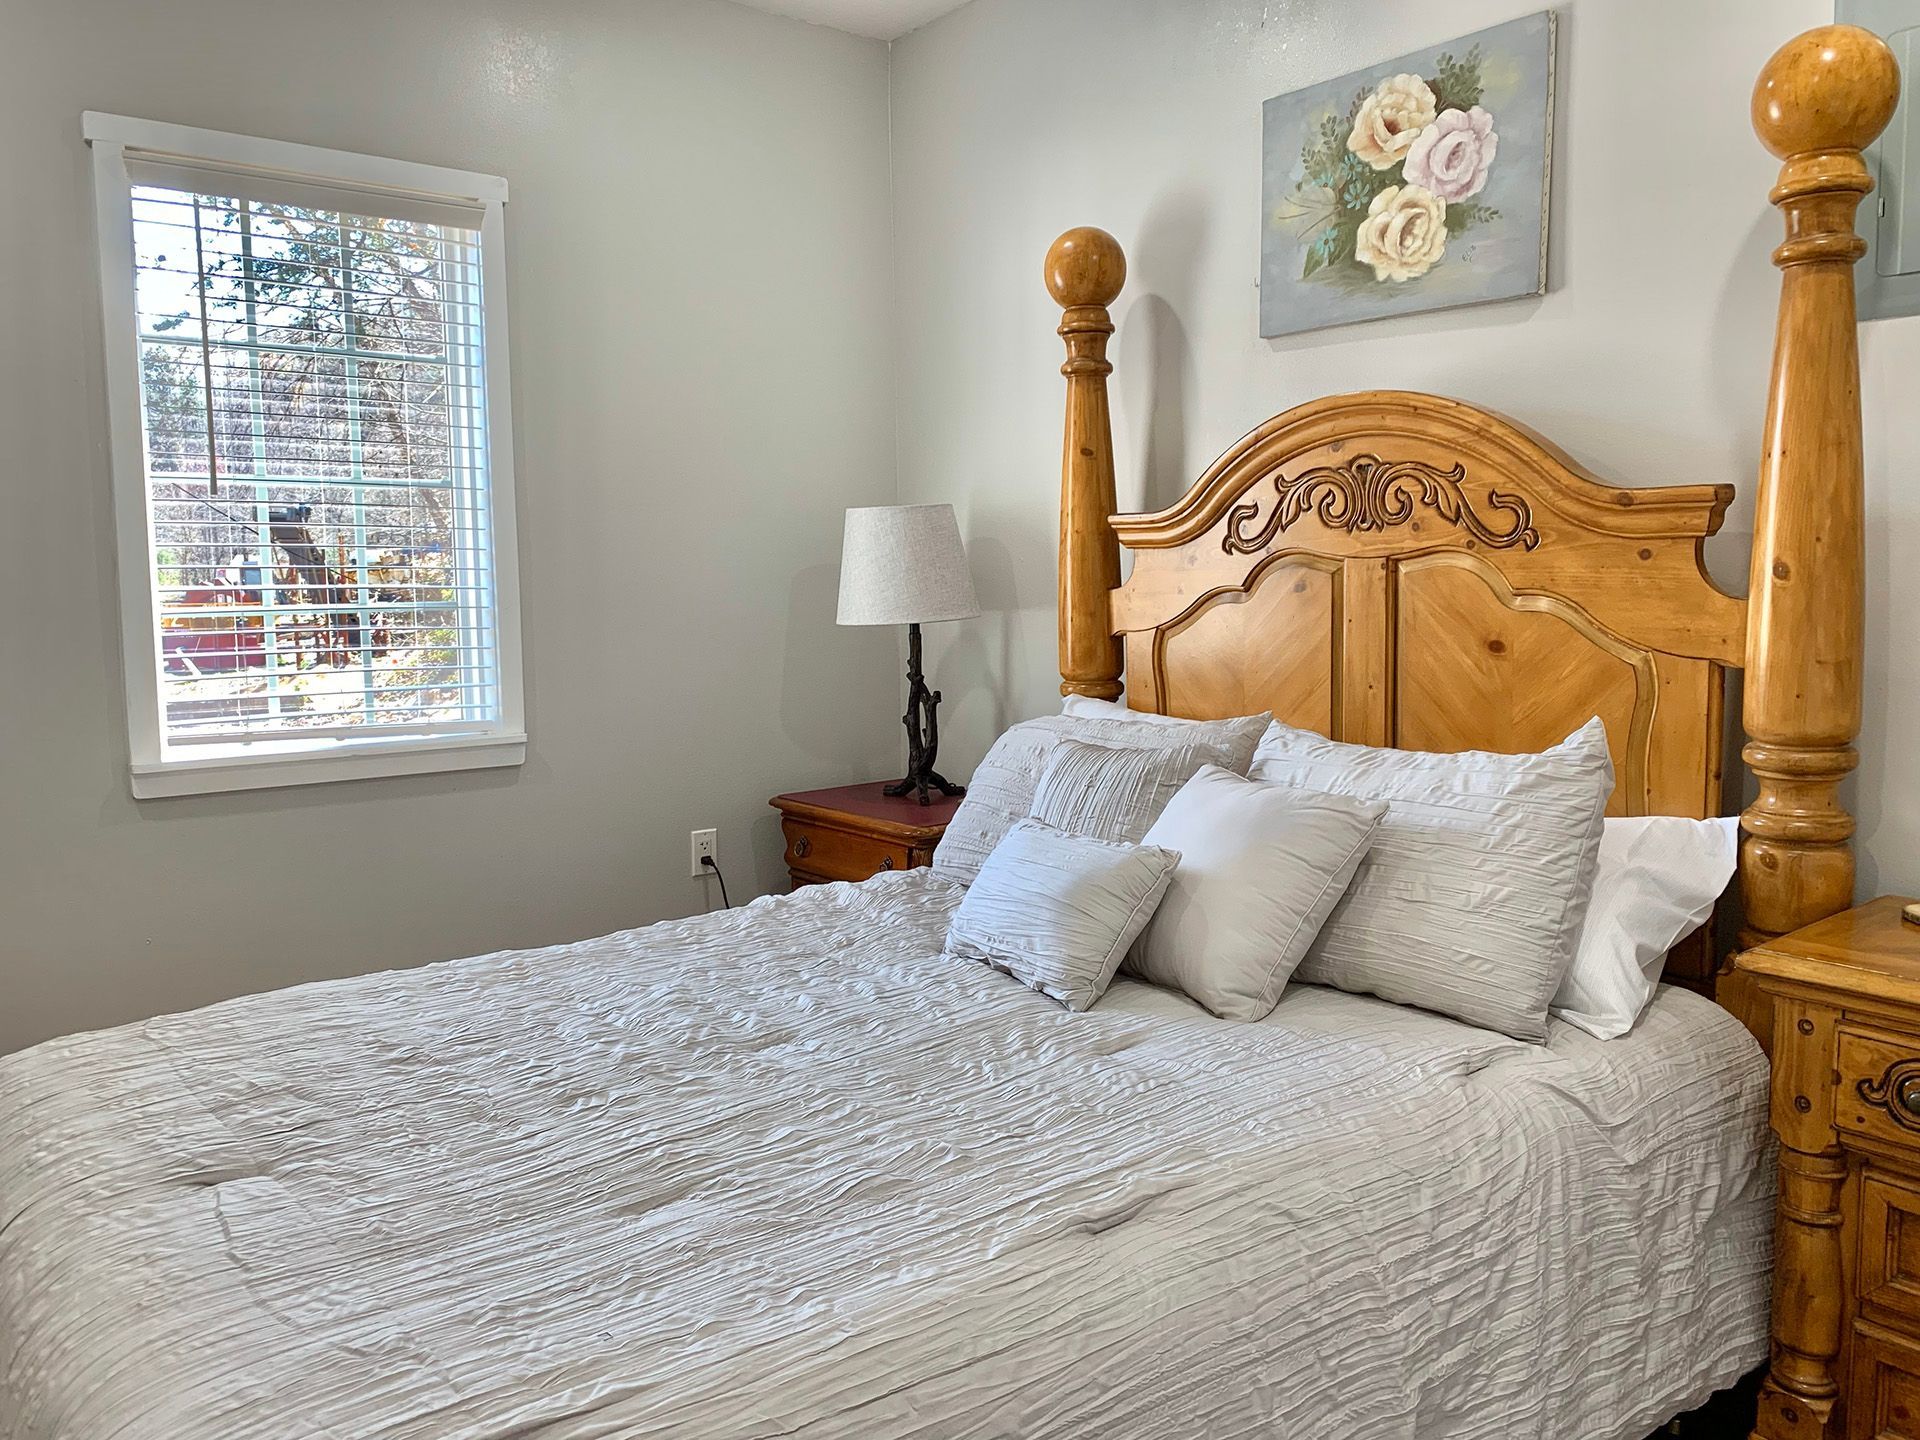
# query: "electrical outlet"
x,y
703,844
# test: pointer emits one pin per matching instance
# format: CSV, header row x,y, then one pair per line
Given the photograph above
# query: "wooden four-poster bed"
x,y
1400,569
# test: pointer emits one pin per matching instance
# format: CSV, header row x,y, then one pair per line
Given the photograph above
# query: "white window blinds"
x,y
307,385
313,408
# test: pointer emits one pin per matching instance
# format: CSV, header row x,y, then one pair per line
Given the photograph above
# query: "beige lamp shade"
x,y
904,565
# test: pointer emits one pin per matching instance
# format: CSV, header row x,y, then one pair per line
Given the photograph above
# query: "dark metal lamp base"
x,y
923,732
925,783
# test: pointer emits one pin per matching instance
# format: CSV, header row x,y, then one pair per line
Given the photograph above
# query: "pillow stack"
x,y
1048,841
1179,851
1001,792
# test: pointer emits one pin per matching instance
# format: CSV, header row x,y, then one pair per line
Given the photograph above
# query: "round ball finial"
x,y
1086,267
1831,88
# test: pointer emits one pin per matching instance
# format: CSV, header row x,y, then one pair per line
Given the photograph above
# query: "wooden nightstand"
x,y
854,831
1846,1106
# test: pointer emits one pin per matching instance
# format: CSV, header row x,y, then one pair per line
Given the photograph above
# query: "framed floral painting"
x,y
1415,185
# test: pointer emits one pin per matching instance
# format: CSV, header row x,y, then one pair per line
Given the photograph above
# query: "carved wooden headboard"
x,y
1401,569
1398,569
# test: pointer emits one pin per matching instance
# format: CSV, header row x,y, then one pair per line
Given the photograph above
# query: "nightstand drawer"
x,y
1883,1402
819,852
1889,1270
1878,1078
854,832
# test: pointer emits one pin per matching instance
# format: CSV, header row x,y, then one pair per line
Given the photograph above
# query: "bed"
x,y
786,1171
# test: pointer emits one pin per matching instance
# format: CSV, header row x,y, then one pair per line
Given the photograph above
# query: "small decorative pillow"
x,y
1110,792
1261,867
1470,901
1001,791
1057,911
1657,882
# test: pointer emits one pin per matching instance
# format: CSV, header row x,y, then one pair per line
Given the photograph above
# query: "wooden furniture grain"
x,y
1401,569
853,832
1846,1106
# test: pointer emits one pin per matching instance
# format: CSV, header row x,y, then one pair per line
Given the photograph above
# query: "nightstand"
x,y
1845,994
852,832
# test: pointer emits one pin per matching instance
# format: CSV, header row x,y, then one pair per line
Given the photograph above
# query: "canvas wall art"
x,y
1417,184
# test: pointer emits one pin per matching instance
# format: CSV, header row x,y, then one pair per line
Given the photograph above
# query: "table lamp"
x,y
904,565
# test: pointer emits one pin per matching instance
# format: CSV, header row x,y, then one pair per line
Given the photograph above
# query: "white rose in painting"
x,y
1404,233
1451,156
1400,107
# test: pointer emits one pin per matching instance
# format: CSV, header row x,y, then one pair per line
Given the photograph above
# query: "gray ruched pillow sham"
x,y
1471,899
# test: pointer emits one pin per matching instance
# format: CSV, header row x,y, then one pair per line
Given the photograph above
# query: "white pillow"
x,y
1057,911
1086,707
1471,899
1111,792
1001,790
1260,868
1658,880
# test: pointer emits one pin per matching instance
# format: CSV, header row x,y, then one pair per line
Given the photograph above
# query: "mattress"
x,y
786,1171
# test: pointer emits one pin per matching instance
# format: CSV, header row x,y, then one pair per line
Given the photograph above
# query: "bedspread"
x,y
785,1171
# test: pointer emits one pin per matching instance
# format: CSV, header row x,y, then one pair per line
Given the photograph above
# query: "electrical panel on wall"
x,y
1887,281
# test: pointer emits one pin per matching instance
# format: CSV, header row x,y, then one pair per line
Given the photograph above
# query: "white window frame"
x,y
156,769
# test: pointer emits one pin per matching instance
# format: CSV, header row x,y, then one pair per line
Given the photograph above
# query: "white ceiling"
x,y
881,19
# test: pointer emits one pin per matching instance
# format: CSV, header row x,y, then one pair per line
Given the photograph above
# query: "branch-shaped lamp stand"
x,y
923,732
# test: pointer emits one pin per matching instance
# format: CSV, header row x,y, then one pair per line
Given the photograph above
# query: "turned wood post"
x,y
1820,99
1085,270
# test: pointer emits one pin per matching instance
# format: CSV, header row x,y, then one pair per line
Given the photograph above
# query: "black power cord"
x,y
714,865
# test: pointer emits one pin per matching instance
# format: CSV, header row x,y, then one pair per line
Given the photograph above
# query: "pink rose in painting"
x,y
1451,156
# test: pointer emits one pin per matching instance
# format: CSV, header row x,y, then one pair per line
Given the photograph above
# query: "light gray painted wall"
x,y
699,276
1015,119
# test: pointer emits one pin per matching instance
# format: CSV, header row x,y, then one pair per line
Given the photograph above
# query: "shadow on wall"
x,y
837,662
974,667
832,683
1155,348
1743,324
1867,803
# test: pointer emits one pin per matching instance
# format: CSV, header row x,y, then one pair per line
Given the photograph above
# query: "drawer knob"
x,y
1897,1092
1908,1095
886,862
802,846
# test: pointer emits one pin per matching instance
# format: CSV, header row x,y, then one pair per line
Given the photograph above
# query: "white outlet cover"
x,y
701,842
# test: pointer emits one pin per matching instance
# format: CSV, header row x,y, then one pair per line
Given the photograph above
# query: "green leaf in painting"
x,y
1464,213
1456,82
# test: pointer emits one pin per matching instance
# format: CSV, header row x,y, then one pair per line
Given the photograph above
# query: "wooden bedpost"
x,y
1085,270
1821,98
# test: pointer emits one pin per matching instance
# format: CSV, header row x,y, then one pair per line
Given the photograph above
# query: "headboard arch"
x,y
1433,576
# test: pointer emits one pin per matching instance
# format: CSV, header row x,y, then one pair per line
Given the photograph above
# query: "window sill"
x,y
268,766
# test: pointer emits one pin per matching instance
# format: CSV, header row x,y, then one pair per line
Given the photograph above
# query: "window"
x,y
307,377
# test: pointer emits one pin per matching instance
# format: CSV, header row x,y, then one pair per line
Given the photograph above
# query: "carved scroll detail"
x,y
1369,494
1897,1092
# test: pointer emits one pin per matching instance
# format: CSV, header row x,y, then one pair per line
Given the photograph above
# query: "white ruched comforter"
x,y
787,1172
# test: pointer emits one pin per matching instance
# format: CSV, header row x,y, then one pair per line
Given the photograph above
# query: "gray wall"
x,y
699,275
1015,119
